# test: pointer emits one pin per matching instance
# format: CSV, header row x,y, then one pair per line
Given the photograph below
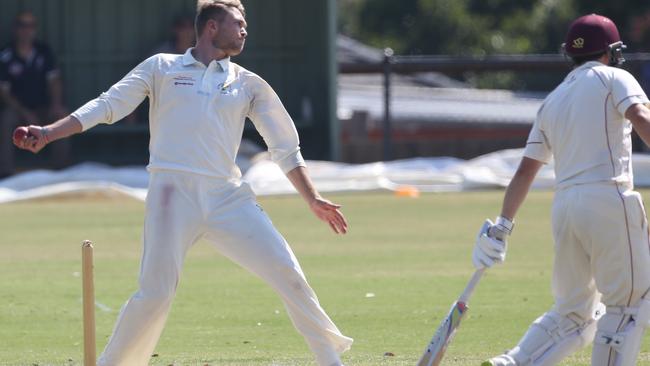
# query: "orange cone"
x,y
407,191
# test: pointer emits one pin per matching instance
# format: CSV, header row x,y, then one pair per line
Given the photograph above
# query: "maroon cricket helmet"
x,y
594,34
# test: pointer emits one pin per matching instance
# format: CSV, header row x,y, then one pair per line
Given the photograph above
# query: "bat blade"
x,y
444,334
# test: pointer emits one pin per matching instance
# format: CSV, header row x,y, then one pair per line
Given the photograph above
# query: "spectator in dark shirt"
x,y
30,88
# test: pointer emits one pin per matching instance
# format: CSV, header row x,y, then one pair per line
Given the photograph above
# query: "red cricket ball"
x,y
20,133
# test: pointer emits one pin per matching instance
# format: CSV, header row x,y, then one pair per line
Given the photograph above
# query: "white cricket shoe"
x,y
503,360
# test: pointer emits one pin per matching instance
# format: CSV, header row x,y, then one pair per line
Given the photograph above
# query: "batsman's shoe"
x,y
503,360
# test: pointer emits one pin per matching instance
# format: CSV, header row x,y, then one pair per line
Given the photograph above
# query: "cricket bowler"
x,y
198,104
600,229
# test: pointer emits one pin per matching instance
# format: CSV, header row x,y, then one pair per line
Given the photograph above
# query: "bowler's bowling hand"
x,y
330,213
32,138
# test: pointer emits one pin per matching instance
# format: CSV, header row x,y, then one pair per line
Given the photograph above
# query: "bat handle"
x,y
471,285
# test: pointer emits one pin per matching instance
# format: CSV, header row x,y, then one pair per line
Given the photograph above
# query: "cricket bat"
x,y
436,348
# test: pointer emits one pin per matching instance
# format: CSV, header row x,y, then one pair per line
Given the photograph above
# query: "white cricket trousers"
x,y
601,247
181,208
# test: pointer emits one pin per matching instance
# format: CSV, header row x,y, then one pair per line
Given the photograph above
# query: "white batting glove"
x,y
491,245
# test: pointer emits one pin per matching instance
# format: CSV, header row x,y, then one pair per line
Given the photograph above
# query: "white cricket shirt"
x,y
197,114
582,125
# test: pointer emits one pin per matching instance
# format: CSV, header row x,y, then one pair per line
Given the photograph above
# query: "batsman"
x,y
599,222
198,104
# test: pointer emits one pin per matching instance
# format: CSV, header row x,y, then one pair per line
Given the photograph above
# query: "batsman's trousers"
x,y
181,208
601,248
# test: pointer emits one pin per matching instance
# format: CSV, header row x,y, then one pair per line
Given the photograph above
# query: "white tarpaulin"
x,y
426,174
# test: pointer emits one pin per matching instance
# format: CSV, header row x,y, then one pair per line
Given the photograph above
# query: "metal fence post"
x,y
387,128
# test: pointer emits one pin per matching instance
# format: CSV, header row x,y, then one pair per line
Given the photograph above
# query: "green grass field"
x,y
414,255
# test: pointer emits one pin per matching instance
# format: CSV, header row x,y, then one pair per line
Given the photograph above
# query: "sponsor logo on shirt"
x,y
184,80
227,89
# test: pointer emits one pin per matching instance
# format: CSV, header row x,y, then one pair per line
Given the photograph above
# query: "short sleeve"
x,y
49,66
537,145
626,91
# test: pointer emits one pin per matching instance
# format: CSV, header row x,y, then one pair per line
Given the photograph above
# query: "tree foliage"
x,y
479,27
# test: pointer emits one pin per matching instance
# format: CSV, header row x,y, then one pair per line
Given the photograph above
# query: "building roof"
x,y
429,98
352,51
434,105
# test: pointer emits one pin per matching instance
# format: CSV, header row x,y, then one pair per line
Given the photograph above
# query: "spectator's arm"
x,y
13,103
55,89
54,85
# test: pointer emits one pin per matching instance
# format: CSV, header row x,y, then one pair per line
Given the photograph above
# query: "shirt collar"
x,y
590,64
224,63
584,66
188,59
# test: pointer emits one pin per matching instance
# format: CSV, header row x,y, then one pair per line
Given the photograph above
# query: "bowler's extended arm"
x,y
111,106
